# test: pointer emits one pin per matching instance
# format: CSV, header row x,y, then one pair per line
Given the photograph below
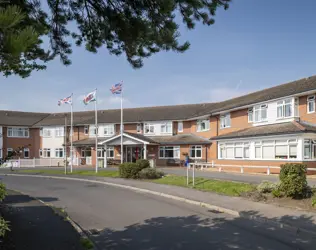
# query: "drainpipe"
x,y
217,128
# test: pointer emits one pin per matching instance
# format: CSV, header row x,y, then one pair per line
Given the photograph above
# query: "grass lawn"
x,y
221,187
102,173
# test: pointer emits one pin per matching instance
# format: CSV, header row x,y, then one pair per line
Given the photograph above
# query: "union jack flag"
x,y
117,88
67,100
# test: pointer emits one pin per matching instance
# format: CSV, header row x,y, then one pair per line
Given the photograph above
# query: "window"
x,y
59,152
45,153
110,152
166,128
149,128
196,152
26,153
307,149
180,126
225,121
108,130
85,152
311,104
260,112
92,130
238,150
203,125
41,131
59,132
250,115
169,152
86,130
9,152
285,108
18,132
47,132
139,128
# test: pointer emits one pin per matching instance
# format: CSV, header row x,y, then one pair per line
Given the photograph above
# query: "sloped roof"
x,y
158,113
181,139
17,118
273,129
283,90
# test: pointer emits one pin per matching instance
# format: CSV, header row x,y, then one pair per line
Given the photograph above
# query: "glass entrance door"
x,y
132,153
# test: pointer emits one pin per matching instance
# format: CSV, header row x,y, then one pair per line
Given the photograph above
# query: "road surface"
x,y
122,219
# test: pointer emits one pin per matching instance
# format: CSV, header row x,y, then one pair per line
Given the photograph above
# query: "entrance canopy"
x,y
128,139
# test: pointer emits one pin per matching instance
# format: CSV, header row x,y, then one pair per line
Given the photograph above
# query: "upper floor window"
x,y
108,129
166,128
180,126
203,125
250,115
285,108
225,121
261,113
18,132
149,128
311,104
86,130
47,132
59,132
92,130
139,128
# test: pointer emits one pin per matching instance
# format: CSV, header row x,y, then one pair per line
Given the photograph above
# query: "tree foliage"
x,y
137,28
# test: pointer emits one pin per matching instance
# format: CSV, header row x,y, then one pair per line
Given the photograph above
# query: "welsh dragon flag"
x,y
91,97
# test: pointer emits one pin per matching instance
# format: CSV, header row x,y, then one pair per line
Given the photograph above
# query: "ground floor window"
x,y
9,152
59,152
196,152
26,153
238,150
109,152
45,152
86,152
309,149
169,152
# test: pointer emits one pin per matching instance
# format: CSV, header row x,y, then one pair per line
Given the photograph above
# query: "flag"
x,y
91,97
67,100
117,88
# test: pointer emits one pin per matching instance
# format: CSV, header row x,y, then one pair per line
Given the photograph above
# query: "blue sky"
x,y
253,45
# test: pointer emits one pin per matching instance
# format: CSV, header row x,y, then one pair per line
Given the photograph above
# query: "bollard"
x,y
268,170
242,169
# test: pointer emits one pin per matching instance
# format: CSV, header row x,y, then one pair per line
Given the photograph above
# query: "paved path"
x,y
35,226
129,220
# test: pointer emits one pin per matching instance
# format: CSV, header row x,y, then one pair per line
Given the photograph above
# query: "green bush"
x,y
293,181
4,226
3,191
266,187
129,170
143,163
314,201
277,193
150,173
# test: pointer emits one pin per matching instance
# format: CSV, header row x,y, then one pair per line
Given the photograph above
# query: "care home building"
x,y
269,127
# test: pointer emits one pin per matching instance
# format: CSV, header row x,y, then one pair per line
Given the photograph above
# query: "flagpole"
x,y
122,130
71,134
96,133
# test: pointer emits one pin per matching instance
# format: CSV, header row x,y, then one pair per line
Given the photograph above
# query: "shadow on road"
x,y
194,232
21,198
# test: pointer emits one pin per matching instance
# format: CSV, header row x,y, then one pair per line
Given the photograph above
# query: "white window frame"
x,y
199,125
180,127
92,128
58,151
282,105
59,132
139,128
108,150
86,130
109,128
225,121
149,127
47,132
311,100
234,146
250,115
164,128
44,152
13,132
26,150
259,109
175,149
196,148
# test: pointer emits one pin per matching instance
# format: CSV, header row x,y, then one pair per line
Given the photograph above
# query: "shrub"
x,y
143,163
129,170
266,187
277,193
3,191
150,173
293,181
314,201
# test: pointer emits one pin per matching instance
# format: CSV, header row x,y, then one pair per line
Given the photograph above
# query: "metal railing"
x,y
35,162
242,167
